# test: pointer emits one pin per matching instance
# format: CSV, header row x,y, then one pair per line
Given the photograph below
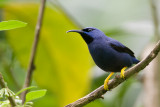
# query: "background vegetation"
x,y
63,64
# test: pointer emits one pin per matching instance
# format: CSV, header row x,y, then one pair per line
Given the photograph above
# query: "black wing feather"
x,y
123,49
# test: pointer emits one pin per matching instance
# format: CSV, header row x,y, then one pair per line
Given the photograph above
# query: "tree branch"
x,y
34,48
10,98
97,93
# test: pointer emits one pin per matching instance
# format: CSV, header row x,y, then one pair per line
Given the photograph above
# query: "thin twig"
x,y
3,84
34,48
97,93
155,19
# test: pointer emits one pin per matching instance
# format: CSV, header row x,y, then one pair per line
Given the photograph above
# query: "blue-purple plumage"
x,y
108,54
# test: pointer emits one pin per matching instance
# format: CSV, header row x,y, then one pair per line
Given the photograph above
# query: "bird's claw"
x,y
122,72
106,85
122,75
107,80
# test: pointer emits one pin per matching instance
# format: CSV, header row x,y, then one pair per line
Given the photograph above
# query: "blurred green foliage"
x,y
56,59
63,64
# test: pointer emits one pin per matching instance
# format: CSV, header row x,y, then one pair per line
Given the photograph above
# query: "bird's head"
x,y
89,33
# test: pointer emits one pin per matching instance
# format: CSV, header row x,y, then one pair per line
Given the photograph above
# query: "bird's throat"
x,y
87,38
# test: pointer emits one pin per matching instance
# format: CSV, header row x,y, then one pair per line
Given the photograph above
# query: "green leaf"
x,y
28,88
35,94
11,24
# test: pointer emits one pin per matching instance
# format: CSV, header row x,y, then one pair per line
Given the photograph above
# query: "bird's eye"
x,y
88,30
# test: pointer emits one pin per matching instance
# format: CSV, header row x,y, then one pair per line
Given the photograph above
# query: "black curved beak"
x,y
88,39
78,31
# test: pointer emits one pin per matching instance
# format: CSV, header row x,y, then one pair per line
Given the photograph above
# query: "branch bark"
x,y
31,66
11,99
98,93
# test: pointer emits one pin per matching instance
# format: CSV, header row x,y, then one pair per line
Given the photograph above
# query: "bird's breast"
x,y
104,57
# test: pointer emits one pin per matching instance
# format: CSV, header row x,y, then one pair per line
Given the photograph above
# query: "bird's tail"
x,y
135,61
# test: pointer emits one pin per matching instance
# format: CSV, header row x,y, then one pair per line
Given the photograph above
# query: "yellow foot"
x,y
107,80
122,72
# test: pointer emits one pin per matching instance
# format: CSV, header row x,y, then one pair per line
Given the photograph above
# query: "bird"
x,y
108,54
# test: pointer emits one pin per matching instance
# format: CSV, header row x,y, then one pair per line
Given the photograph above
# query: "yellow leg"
x,y
106,81
122,72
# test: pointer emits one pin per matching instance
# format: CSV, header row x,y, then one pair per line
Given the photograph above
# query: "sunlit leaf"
x,y
11,24
35,94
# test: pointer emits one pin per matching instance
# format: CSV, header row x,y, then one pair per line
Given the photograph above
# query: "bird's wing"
x,y
121,48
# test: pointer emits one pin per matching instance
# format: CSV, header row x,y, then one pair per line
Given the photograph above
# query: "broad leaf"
x,y
35,94
11,24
